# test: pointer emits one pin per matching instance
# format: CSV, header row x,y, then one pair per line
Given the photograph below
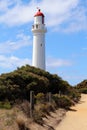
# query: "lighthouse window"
x,y
36,25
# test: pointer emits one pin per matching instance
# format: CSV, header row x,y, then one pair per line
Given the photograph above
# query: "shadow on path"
x,y
70,109
81,102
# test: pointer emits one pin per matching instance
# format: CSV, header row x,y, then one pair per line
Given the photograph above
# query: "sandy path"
x,y
76,119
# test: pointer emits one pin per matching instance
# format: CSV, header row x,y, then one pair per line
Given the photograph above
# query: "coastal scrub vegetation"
x,y
18,84
82,87
15,90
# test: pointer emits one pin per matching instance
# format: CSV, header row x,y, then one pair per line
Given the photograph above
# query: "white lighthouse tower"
x,y
39,31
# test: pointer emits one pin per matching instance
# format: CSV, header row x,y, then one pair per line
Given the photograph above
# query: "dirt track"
x,y
76,119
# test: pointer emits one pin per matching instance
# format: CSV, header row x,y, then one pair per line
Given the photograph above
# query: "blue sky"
x,y
66,39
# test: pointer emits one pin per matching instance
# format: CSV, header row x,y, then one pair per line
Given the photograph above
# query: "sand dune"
x,y
77,118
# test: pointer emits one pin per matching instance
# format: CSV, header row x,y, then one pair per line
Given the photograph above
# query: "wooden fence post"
x,y
31,103
50,97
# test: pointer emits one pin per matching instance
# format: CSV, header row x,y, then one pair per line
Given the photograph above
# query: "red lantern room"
x,y
40,14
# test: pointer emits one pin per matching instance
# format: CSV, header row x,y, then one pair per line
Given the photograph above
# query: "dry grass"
x,y
21,122
7,120
18,119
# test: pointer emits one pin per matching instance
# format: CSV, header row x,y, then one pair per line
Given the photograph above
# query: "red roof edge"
x,y
39,13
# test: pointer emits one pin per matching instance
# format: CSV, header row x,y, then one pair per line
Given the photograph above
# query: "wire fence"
x,y
43,98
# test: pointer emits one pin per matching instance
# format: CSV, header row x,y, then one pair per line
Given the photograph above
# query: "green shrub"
x,y
40,98
5,105
83,90
46,108
75,96
62,101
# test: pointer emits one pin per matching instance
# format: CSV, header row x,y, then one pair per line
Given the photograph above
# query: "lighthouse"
x,y
39,30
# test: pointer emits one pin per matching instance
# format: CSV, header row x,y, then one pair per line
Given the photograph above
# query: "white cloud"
x,y
12,62
71,13
51,62
10,46
18,14
77,21
58,11
4,5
